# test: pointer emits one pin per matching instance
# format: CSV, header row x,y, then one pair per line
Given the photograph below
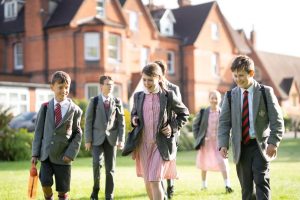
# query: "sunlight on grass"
x,y
285,178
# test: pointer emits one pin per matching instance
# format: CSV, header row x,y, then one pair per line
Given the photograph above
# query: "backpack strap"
x,y
263,92
228,94
95,103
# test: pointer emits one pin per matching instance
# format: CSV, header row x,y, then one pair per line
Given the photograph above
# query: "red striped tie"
x,y
245,119
57,113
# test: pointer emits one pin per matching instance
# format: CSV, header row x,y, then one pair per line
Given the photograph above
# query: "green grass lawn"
x,y
285,178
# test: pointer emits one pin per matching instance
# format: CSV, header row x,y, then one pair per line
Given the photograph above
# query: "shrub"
x,y
14,144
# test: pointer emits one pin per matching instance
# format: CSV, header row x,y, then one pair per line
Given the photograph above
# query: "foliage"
x,y
186,140
14,144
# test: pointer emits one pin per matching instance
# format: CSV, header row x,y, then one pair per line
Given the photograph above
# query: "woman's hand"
x,y
167,131
135,120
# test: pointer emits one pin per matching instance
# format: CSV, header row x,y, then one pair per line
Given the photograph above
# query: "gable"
x,y
87,13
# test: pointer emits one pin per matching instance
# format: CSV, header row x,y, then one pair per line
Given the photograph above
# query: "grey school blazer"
x,y
112,127
269,126
56,142
199,130
166,146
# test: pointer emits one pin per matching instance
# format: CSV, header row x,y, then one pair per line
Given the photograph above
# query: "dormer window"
x,y
10,10
100,8
166,23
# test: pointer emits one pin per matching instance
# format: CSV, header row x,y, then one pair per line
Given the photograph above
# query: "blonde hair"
x,y
216,92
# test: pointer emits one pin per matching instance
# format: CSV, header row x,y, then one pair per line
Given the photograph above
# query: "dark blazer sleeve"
x,y
75,139
39,131
181,111
134,107
275,118
121,122
224,124
196,125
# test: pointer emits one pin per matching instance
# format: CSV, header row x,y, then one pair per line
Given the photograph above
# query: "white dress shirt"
x,y
250,102
64,106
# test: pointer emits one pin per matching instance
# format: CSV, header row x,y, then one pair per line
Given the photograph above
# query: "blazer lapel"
x,y
101,107
50,113
256,100
163,100
140,101
70,110
236,106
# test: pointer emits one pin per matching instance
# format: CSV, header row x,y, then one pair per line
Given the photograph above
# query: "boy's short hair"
x,y
60,77
162,65
242,62
103,78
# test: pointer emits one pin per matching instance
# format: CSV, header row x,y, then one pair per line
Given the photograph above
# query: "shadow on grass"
x,y
117,197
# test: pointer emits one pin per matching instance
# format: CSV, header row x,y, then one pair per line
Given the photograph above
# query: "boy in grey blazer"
x,y
57,137
104,132
256,129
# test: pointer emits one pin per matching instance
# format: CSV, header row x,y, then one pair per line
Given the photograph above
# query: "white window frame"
x,y
215,64
215,34
171,62
86,90
133,21
18,56
117,91
100,9
10,9
144,59
116,48
91,43
16,104
42,95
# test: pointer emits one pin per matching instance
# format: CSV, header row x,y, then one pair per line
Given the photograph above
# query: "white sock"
x,y
204,184
227,182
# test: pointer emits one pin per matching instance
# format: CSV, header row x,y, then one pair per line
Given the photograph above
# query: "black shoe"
x,y
94,195
170,191
228,189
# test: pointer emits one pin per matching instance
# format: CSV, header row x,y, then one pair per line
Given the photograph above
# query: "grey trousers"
x,y
252,167
107,152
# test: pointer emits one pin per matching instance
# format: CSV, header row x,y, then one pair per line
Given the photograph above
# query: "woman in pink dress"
x,y
155,155
205,129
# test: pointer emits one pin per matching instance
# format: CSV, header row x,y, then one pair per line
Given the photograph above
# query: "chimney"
x,y
253,37
183,3
35,16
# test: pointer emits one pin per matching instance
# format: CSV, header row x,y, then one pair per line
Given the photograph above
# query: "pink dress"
x,y
149,163
208,157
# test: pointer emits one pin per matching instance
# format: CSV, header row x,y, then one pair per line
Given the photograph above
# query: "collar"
x,y
62,103
250,89
106,98
156,90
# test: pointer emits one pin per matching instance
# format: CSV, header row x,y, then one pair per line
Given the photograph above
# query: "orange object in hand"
x,y
33,182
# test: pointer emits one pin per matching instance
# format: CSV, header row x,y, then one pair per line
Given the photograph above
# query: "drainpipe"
x,y
5,54
182,77
46,57
74,59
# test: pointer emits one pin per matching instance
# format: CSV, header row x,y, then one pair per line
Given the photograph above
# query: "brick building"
x,y
87,38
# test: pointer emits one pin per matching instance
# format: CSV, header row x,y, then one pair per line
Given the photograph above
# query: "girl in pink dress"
x,y
155,160
208,157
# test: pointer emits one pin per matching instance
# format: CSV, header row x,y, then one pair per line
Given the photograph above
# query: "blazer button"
x,y
52,142
54,133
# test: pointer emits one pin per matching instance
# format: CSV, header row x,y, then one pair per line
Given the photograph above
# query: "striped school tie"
x,y
57,113
245,119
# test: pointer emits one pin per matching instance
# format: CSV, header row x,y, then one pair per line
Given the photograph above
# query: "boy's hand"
x,y
271,150
34,160
66,159
88,146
